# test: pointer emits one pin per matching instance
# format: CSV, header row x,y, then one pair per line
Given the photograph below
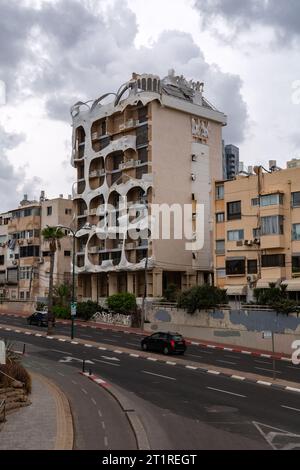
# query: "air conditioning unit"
x,y
256,241
138,162
15,263
239,243
248,243
40,260
21,242
252,278
29,241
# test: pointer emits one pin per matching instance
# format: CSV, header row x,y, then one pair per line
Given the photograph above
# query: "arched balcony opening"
x,y
79,142
98,134
97,173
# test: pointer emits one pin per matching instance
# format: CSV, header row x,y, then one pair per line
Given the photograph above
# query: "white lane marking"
x,y
134,355
103,424
59,351
37,334
211,346
231,356
133,344
171,363
268,370
74,342
238,377
74,382
111,358
28,333
49,337
265,355
195,355
105,441
225,391
228,349
105,362
214,372
272,434
110,340
93,401
88,345
158,375
191,367
262,382
60,373
87,336
7,329
62,340
151,359
287,359
293,367
84,391
99,381
292,389
204,352
262,362
194,344
17,331
246,352
100,414
117,351
102,349
290,408
226,362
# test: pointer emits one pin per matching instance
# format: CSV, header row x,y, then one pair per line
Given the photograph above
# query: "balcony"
x,y
129,164
272,241
97,173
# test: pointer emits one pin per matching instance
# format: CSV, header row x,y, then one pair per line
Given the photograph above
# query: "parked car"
x,y
38,318
167,343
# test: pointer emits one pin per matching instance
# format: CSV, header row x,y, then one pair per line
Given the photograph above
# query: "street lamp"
x,y
74,233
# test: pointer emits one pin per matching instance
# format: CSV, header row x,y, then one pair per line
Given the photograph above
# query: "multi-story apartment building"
x,y
24,256
157,142
257,231
232,162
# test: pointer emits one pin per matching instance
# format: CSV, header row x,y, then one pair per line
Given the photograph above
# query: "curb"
x,y
126,406
65,430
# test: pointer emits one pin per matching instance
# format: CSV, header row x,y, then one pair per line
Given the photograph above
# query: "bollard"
x,y
83,365
24,346
90,371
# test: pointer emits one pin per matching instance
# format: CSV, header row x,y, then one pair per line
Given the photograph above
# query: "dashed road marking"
x,y
226,362
84,391
171,363
99,414
105,362
191,367
152,359
227,392
262,382
94,401
238,377
214,372
134,355
88,345
290,408
159,375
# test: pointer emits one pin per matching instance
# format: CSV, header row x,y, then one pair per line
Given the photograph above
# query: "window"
x,y
219,192
1,260
220,247
296,199
255,202
273,261
68,211
296,264
22,295
271,200
220,217
272,225
45,254
49,210
27,251
143,154
256,233
252,266
235,235
142,114
235,266
142,135
67,253
296,232
221,273
12,276
2,277
234,211
25,272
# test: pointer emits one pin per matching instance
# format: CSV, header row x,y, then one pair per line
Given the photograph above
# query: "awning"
x,y
265,283
293,285
236,290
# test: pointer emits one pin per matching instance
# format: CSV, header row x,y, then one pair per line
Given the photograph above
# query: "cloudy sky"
x,y
55,52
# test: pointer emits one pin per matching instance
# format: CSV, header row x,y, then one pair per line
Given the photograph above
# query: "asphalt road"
x,y
231,360
182,408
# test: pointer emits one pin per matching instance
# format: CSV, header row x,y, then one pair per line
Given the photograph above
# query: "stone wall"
x,y
235,327
17,307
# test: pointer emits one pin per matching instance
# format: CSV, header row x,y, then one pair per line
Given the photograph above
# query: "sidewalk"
x,y
44,425
193,341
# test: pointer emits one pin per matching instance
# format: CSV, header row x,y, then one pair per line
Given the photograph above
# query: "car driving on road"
x,y
38,318
167,343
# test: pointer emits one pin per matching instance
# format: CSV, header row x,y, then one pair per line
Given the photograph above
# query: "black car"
x,y
38,318
167,343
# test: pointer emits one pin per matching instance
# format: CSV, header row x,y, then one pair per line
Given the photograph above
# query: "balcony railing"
x,y
97,173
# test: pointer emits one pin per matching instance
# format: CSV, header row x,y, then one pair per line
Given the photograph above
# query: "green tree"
x,y
62,294
202,298
52,235
122,303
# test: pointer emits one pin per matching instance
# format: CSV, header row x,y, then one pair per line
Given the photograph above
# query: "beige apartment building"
x,y
257,231
157,141
24,256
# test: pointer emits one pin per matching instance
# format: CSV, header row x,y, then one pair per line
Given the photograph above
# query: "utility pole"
x,y
145,294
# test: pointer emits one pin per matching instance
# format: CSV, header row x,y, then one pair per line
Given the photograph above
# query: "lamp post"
x,y
74,233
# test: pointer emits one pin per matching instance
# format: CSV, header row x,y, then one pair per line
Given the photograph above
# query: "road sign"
x,y
2,353
267,334
73,309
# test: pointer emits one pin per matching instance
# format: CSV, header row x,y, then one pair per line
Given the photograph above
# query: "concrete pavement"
x,y
44,425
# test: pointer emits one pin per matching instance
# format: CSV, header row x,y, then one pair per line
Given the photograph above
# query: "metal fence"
x,y
2,411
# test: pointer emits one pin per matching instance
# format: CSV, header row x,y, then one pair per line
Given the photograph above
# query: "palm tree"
x,y
52,235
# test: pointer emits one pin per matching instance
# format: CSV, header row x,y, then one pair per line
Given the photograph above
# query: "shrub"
x,y
61,312
202,298
17,372
171,293
85,310
122,303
